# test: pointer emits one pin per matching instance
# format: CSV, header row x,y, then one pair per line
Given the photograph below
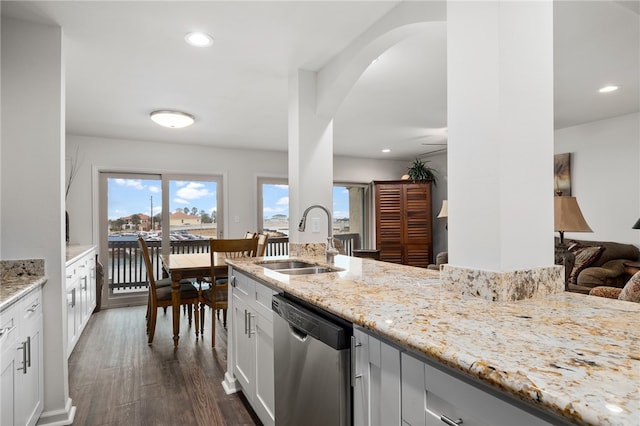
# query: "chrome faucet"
x,y
331,251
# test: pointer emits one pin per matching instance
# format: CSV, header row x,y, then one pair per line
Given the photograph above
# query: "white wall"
x,y
32,181
241,169
605,176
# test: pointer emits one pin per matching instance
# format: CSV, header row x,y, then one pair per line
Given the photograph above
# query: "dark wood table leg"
x,y
176,277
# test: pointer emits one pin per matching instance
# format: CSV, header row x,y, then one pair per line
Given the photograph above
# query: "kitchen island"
x,y
572,355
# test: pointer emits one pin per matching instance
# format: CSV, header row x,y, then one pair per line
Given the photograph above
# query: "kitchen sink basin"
x,y
307,271
297,267
286,264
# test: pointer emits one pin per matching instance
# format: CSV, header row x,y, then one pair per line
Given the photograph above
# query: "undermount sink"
x,y
309,270
285,264
297,267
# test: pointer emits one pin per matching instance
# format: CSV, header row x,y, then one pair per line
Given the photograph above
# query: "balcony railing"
x,y
126,270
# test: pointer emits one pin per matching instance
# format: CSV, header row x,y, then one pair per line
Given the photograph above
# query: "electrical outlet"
x,y
315,224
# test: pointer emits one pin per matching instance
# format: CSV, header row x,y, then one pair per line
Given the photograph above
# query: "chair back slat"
x,y
232,248
147,262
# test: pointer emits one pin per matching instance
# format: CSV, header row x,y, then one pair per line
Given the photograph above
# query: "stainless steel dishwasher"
x,y
312,364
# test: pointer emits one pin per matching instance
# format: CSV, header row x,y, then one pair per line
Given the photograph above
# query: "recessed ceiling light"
x,y
172,119
199,39
386,150
607,89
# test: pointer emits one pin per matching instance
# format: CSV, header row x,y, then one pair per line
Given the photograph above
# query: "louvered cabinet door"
x,y
389,222
417,225
403,222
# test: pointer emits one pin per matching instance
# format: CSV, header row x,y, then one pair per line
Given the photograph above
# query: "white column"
x,y
500,118
310,159
33,184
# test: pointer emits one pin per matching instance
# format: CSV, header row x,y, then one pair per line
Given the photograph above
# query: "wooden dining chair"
x,y
262,244
216,295
160,294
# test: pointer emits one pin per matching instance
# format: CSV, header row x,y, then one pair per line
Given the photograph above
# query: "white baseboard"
x,y
58,417
230,383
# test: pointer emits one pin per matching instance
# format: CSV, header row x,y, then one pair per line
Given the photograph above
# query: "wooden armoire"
x,y
403,222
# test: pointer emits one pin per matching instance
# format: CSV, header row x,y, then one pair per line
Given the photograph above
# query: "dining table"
x,y
189,266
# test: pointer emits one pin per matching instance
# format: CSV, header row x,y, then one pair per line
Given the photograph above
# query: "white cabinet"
x,y
376,381
81,295
431,396
252,342
21,365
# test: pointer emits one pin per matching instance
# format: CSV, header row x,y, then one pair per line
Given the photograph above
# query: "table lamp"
x,y
444,212
568,217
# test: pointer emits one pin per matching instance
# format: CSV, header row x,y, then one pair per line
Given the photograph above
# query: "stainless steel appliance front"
x,y
312,365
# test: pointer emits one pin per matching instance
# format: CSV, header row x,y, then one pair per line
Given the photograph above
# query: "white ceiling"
x,y
126,59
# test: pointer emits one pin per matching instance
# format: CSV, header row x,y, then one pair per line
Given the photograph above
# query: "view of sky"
x,y
133,196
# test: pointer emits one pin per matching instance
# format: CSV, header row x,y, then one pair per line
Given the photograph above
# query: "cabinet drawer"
x,y
8,324
243,286
32,306
262,303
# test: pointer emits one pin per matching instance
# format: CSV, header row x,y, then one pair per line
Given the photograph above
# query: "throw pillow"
x,y
585,257
631,291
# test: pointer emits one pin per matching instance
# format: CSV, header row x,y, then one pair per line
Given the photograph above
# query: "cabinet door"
x,y
361,401
29,392
389,220
9,358
377,390
261,332
71,318
417,224
242,346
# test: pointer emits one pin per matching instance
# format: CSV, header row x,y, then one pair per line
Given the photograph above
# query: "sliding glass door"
x,y
173,213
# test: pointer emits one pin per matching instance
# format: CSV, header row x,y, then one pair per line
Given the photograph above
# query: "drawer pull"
x,y
33,307
444,419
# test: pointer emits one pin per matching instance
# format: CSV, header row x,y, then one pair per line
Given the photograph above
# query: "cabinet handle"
x,y
232,280
354,345
246,323
73,297
249,325
84,285
28,351
445,419
23,347
4,331
33,307
450,422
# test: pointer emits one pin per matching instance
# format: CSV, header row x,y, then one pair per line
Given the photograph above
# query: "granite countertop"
x,y
574,355
18,278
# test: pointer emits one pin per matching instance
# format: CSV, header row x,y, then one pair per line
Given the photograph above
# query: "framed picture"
x,y
562,174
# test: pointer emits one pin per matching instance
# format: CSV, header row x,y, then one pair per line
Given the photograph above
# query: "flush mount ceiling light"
x,y
386,150
199,39
172,119
608,89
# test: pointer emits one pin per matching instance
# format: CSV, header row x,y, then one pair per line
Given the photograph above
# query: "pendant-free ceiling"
x,y
172,119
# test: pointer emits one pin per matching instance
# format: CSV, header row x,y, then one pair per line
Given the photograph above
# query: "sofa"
x,y
599,263
630,292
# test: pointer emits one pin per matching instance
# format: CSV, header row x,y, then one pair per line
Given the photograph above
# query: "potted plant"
x,y
420,172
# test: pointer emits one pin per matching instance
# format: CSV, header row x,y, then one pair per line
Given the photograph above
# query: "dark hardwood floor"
x,y
115,378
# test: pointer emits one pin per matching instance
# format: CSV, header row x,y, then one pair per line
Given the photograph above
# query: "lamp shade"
x,y
567,215
637,225
444,211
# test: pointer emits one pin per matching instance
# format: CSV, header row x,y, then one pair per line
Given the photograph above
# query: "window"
x,y
174,214
273,198
349,211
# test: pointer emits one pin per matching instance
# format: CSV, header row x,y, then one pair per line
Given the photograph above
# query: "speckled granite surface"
x,y
575,355
18,278
503,286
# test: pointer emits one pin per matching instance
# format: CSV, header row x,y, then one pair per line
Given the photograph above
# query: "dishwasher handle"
x,y
312,323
